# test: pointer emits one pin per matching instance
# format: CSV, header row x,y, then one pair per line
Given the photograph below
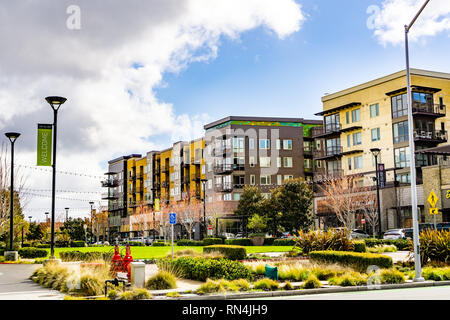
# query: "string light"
x,y
61,172
61,191
61,198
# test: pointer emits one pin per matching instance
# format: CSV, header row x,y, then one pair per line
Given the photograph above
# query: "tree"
x,y
294,200
250,202
74,228
344,198
370,210
257,223
35,232
189,211
100,222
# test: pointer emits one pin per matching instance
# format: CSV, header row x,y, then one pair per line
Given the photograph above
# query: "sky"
x,y
140,75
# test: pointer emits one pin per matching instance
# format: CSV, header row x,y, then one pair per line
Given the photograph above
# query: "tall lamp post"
x,y
67,214
55,103
203,233
92,225
376,153
12,136
417,264
46,217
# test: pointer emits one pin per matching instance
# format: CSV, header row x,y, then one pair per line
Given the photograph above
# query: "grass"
x,y
160,252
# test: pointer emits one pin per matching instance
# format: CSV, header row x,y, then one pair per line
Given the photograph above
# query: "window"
x,y
332,123
251,143
403,178
266,195
203,169
374,110
307,163
333,146
358,162
375,134
219,197
278,162
279,179
236,196
287,144
238,145
278,144
356,115
399,106
171,176
357,138
251,161
227,197
264,162
265,180
400,131
209,184
264,144
349,144
349,163
347,117
239,163
318,163
252,179
288,177
401,157
287,162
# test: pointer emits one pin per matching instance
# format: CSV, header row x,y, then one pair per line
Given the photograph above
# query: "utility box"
x,y
138,274
271,272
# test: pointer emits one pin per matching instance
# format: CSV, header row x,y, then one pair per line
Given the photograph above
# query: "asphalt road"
x,y
15,285
424,293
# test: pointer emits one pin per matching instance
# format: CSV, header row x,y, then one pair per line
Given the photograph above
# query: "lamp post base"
x,y
51,260
419,279
11,255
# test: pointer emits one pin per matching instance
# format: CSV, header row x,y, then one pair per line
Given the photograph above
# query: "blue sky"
x,y
262,75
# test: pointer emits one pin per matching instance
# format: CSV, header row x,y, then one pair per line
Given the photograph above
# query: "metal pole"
x,y
378,195
204,209
172,239
11,201
52,238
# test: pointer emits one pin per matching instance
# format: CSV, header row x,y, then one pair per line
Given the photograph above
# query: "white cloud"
x,y
395,14
112,108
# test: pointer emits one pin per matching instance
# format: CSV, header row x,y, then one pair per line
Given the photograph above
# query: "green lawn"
x,y
160,252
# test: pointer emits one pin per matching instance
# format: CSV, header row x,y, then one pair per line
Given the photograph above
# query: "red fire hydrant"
x,y
126,262
116,260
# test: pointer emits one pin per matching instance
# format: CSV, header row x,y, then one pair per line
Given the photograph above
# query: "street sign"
x,y
172,218
432,199
382,175
434,211
210,227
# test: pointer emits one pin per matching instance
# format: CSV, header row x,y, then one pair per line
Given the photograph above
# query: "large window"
x,y
264,143
357,138
358,161
356,115
287,162
264,162
265,180
375,133
238,145
401,157
333,146
400,131
399,106
251,143
239,163
287,144
332,123
374,110
403,178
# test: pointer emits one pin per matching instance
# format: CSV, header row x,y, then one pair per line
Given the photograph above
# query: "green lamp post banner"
x,y
44,144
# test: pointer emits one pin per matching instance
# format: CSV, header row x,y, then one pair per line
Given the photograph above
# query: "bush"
x,y
435,246
331,239
284,242
85,256
269,241
136,294
241,284
160,244
359,246
436,274
161,281
348,279
173,294
239,242
229,251
401,244
78,244
391,276
355,260
288,286
91,285
212,241
290,272
312,282
383,248
32,253
26,245
42,246
112,294
266,284
186,243
198,268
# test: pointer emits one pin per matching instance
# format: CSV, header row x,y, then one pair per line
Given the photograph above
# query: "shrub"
x,y
356,260
323,240
78,244
42,246
26,245
135,244
269,241
185,252
135,294
348,279
91,285
325,273
312,282
383,248
284,242
266,284
292,272
161,281
391,276
288,286
85,256
229,251
239,242
436,274
359,246
211,286
241,284
186,243
435,246
401,244
173,294
160,244
33,253
199,268
112,294
212,241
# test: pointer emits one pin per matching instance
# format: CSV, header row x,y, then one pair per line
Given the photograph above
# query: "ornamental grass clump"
x,y
434,246
292,272
161,281
436,274
382,248
348,279
317,240
312,283
266,284
288,286
135,294
392,276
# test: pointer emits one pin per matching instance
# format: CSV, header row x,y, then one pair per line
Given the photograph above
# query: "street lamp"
x,y
418,268
67,214
204,208
376,153
92,226
46,217
12,136
55,103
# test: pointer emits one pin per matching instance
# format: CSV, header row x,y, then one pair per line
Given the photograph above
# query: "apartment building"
x,y
256,151
374,115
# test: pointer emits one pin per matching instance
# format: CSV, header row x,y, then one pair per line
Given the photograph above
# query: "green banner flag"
x,y
44,145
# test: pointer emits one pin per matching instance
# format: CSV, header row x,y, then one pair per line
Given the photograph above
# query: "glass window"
x,y
357,138
278,144
227,197
403,178
287,144
238,145
279,179
236,196
332,122
349,163
347,117
375,134
278,162
264,143
356,115
251,143
265,180
358,162
349,140
374,110
252,179
399,106
287,162
264,162
401,157
400,131
288,177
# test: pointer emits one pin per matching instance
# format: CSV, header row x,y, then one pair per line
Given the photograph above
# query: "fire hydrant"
x,y
116,260
126,262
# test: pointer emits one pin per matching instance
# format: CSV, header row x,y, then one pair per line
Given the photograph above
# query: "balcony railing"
x,y
224,187
328,152
165,184
110,195
164,169
223,168
140,175
431,136
196,161
308,151
325,130
429,108
109,183
321,175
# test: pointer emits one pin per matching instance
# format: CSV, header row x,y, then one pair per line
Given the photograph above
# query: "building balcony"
x,y
165,184
109,195
165,169
308,152
329,152
110,183
223,169
323,175
429,109
329,129
140,175
196,161
439,136
223,187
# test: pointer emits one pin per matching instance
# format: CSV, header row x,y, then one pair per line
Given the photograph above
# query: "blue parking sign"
x,y
172,218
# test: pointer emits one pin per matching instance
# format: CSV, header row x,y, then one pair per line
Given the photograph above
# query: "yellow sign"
x,y
448,194
432,199
434,211
157,205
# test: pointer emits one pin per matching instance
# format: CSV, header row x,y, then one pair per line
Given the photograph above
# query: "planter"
x,y
257,241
